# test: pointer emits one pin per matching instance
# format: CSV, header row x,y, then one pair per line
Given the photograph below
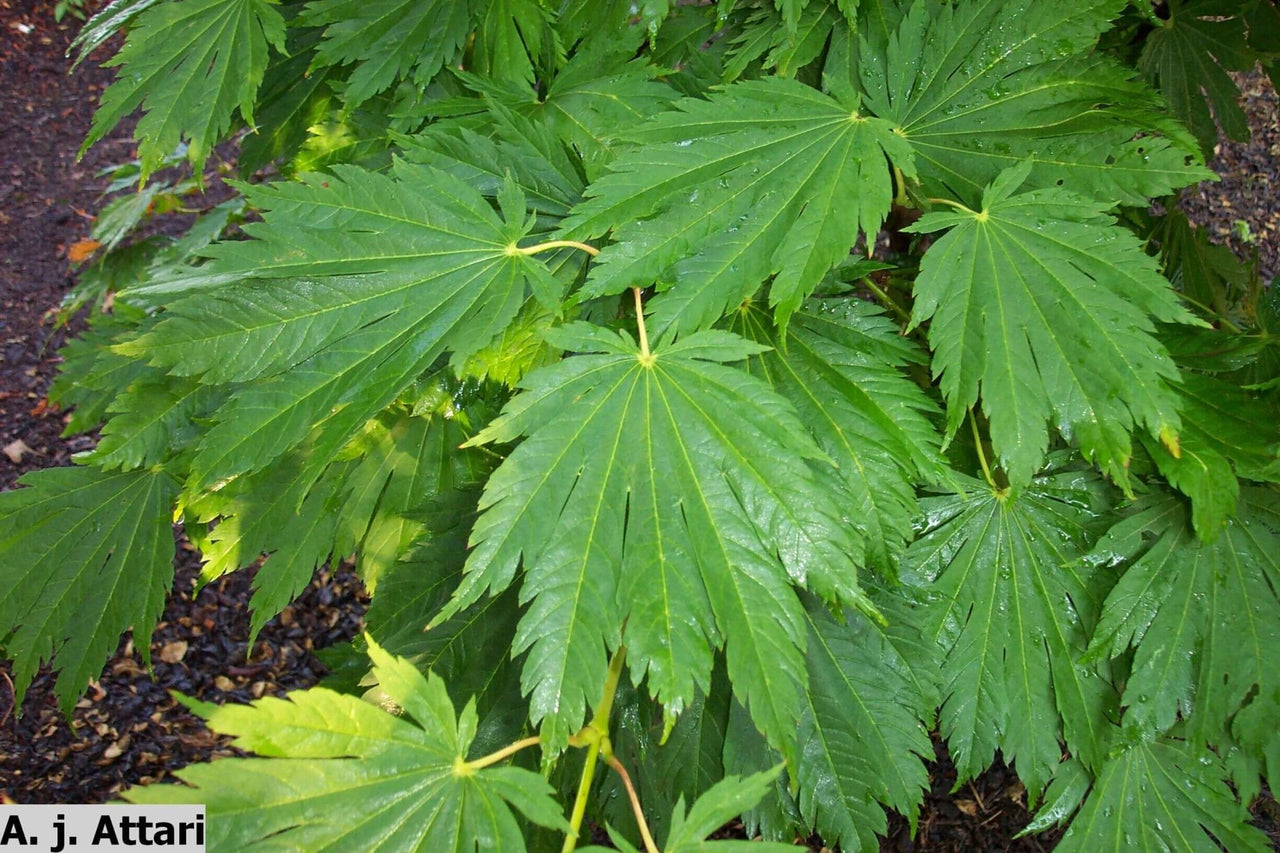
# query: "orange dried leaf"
x,y
81,250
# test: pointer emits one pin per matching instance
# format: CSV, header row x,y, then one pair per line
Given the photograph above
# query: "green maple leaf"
x,y
1192,51
151,420
764,178
595,99
842,370
387,40
674,493
84,555
337,772
1163,796
1203,620
190,64
1011,604
471,650
271,512
509,40
355,284
978,86
1041,305
1227,432
865,729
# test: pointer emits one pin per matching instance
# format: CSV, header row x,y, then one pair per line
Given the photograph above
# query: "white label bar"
x,y
70,829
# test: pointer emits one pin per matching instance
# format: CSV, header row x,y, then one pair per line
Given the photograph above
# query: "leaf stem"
x,y
644,336
555,244
505,752
649,845
598,740
900,197
1222,318
949,203
884,298
982,456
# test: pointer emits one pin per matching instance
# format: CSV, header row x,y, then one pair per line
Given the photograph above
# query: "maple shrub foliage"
x,y
715,400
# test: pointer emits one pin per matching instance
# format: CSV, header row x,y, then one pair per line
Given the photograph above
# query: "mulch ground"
x,y
127,729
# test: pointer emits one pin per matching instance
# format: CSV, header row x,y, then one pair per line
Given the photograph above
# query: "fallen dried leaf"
x,y
969,807
173,652
15,450
81,250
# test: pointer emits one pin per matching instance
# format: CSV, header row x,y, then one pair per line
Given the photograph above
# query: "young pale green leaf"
x,y
978,86
1162,796
670,491
764,178
1190,54
355,284
1203,619
84,556
864,731
1039,303
1011,604
190,64
387,40
339,773
842,369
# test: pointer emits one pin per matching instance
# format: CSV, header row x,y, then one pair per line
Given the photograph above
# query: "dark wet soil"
x,y
127,729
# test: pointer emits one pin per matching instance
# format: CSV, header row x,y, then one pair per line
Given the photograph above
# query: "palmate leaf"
x,y
978,86
84,555
275,513
1042,305
1203,620
601,93
842,370
190,64
764,178
386,40
672,492
1162,796
470,651
1226,432
406,461
1191,52
1011,604
339,773
865,728
355,284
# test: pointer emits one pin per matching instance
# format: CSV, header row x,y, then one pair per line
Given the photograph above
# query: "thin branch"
x,y
649,845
